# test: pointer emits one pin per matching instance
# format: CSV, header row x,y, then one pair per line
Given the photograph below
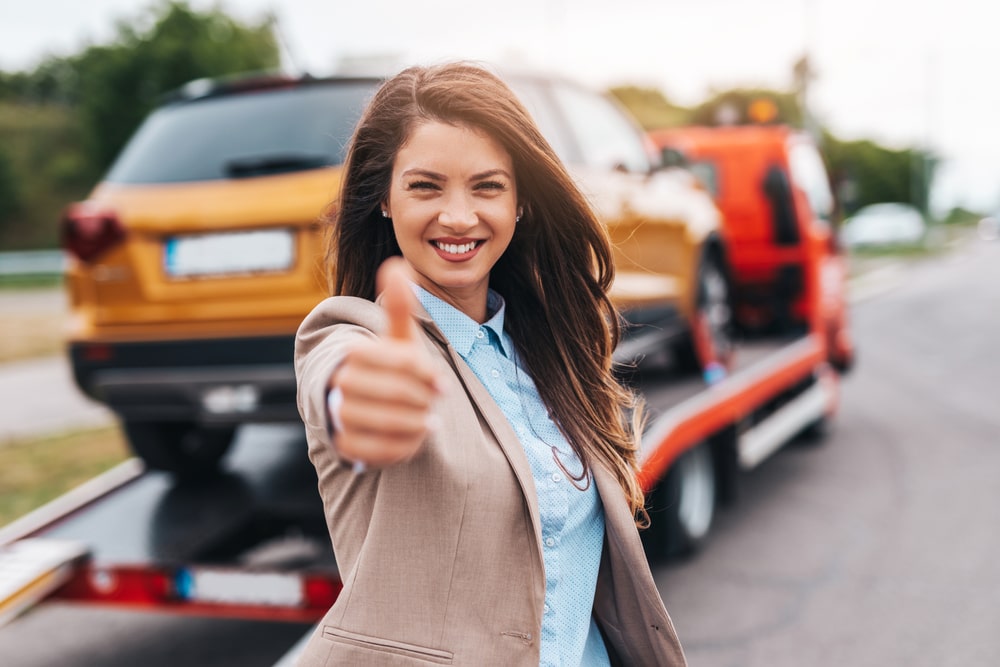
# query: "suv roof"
x,y
271,126
206,88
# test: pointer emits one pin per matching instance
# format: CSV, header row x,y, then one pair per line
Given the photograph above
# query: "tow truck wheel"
x,y
710,336
184,449
682,506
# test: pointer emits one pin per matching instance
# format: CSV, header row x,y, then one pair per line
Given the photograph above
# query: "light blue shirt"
x,y
571,514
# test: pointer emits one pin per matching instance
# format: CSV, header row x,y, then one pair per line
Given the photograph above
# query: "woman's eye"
x,y
491,185
423,185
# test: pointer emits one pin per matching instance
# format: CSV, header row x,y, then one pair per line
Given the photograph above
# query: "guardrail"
x,y
31,263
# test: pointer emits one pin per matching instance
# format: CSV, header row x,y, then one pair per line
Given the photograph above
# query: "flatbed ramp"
x,y
33,569
251,543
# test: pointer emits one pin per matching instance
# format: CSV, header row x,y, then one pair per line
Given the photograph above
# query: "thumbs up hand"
x,y
387,385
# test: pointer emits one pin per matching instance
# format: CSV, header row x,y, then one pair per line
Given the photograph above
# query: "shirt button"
x,y
546,609
480,334
556,477
495,373
550,542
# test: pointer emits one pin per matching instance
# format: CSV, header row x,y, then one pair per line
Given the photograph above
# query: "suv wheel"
x,y
183,449
710,337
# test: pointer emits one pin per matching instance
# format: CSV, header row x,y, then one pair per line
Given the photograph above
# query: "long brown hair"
x,y
554,276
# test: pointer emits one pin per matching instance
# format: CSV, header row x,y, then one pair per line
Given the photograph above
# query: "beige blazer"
x,y
441,557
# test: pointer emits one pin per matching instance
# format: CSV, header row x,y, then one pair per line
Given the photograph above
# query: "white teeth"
x,y
454,248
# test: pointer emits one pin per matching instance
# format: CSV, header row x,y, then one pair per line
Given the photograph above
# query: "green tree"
x,y
653,110
867,173
120,83
650,107
10,196
63,123
44,150
734,107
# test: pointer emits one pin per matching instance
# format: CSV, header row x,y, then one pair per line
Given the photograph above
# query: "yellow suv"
x,y
194,261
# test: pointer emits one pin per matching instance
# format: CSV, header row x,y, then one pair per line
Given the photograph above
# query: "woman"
x,y
476,467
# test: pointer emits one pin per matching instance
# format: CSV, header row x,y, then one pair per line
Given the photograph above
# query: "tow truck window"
x,y
706,172
809,173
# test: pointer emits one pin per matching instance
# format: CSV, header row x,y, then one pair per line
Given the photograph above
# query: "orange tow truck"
x,y
771,186
254,544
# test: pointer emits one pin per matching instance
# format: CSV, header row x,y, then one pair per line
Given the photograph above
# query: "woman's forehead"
x,y
440,142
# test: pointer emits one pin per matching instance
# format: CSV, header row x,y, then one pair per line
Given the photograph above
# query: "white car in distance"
x,y
884,224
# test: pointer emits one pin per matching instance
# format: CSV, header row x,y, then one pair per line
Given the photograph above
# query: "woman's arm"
x,y
386,384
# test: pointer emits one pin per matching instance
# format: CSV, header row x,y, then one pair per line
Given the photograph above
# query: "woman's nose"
x,y
457,213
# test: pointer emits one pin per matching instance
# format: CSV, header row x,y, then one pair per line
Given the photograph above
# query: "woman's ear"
x,y
385,210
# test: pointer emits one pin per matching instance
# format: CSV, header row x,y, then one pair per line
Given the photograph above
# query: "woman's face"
x,y
453,201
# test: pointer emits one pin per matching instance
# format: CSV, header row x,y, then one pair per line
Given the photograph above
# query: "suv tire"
x,y
714,313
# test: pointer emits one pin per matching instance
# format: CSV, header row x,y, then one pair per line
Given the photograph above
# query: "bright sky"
x,y
900,72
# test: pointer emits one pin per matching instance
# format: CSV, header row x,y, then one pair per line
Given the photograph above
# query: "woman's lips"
x,y
456,250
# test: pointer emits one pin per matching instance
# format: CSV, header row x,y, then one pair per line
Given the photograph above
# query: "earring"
x,y
520,212
385,214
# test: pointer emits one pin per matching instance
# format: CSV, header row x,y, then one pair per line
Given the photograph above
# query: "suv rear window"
x,y
247,134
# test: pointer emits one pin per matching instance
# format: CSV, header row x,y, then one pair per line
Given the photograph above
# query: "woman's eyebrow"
x,y
433,175
426,173
489,173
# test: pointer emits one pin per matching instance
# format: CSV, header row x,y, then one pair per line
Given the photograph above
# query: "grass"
x,y
902,251
34,471
34,281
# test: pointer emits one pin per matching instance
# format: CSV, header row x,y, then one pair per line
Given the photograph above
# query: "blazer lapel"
x,y
626,598
497,421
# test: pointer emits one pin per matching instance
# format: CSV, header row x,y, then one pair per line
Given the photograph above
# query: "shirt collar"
x,y
459,328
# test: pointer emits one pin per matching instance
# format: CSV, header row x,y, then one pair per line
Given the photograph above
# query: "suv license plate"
x,y
229,253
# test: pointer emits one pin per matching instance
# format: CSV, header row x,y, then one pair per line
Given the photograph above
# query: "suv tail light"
x,y
89,229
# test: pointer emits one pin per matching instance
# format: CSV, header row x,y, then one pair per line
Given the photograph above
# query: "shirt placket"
x,y
506,382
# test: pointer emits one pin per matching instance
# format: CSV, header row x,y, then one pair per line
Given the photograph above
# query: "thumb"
x,y
398,300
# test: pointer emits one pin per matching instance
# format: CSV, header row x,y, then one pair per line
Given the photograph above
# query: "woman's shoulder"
x,y
352,310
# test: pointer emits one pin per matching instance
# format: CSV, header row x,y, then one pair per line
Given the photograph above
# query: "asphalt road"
x,y
38,396
876,547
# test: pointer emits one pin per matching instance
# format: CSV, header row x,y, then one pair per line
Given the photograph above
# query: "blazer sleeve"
x,y
322,341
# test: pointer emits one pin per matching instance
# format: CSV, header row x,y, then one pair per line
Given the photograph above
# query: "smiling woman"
x,y
461,411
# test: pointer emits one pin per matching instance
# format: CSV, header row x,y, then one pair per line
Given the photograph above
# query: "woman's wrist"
x,y
334,402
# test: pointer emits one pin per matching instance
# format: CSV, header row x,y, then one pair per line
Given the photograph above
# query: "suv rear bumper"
x,y
216,381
